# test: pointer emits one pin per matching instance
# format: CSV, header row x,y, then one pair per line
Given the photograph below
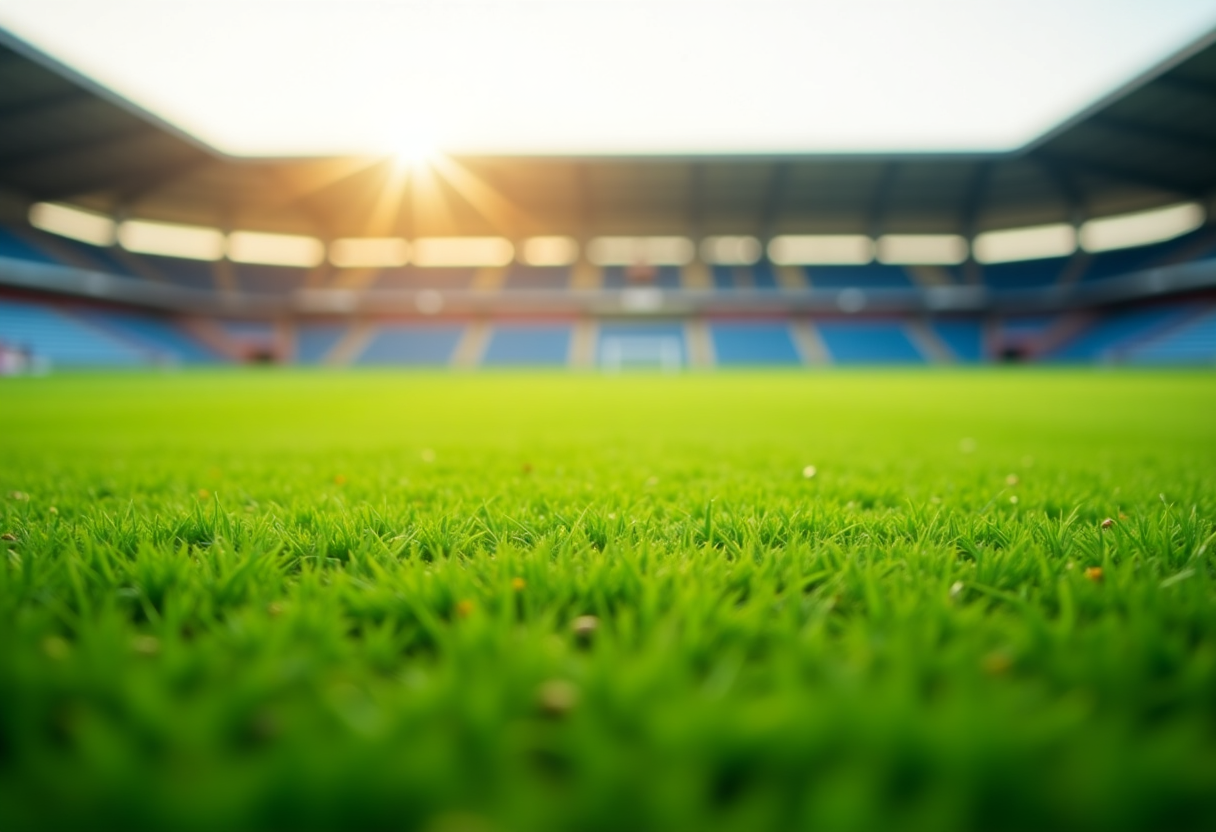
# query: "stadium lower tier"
x,y
40,333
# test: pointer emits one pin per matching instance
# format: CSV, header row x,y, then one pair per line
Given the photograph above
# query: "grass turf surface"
x,y
288,600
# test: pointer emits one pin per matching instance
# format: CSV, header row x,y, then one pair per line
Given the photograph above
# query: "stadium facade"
x,y
125,241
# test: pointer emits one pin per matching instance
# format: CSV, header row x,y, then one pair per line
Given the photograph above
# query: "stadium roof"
x,y
64,137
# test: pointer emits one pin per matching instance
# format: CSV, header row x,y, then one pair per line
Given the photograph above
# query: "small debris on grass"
x,y
339,479
1108,522
55,647
1013,499
274,608
146,645
557,697
53,510
1011,480
464,608
809,472
9,536
518,584
956,589
997,662
204,494
1094,573
526,468
584,627
18,495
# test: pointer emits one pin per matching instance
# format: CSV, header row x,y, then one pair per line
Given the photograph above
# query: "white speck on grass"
x,y
1014,499
809,472
956,589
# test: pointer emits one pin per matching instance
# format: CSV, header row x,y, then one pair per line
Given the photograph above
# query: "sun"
x,y
413,151
412,146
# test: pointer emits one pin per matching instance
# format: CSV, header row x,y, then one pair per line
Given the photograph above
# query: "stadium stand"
x,y
537,345
536,277
411,345
665,277
155,336
963,337
315,342
12,245
1028,274
270,279
192,274
872,276
1199,245
869,342
1107,337
53,335
414,277
1192,342
765,343
624,345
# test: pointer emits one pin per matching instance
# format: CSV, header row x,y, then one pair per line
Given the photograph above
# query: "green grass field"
x,y
288,600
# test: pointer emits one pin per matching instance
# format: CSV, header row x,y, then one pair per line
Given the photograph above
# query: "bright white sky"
x,y
610,76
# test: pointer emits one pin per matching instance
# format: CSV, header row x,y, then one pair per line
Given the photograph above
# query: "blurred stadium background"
x,y
124,241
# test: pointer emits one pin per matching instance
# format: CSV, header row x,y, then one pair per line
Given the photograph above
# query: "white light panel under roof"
x,y
67,221
1141,228
611,76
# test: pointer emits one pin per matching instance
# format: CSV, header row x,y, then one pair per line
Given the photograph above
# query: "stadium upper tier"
x,y
24,243
63,138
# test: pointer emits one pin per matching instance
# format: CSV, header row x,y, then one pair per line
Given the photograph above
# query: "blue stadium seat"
x,y
538,345
315,341
11,245
869,342
723,277
1027,326
61,338
76,253
763,276
1198,245
1191,342
873,276
1104,339
1027,274
412,345
156,336
191,274
753,343
965,338
537,277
